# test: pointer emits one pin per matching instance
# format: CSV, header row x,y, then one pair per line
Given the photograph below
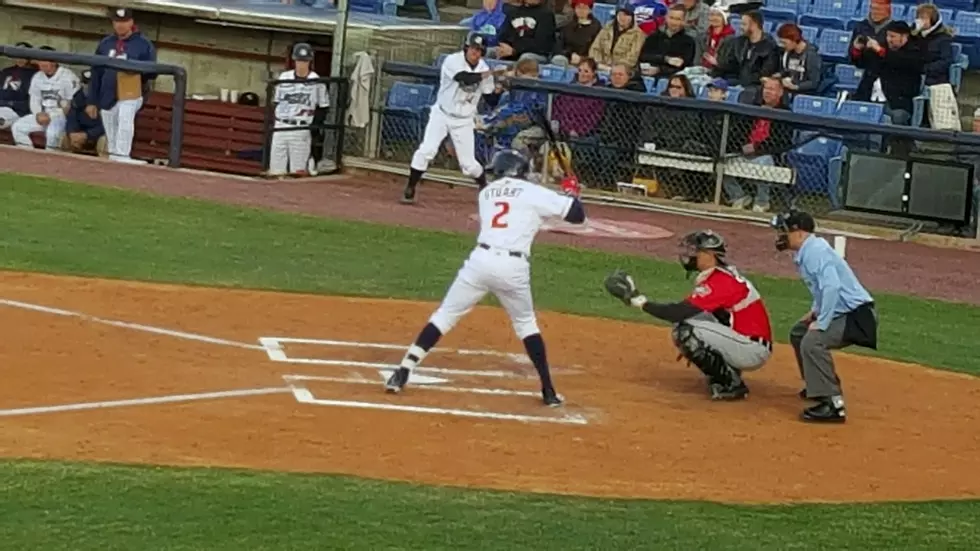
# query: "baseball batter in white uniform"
x,y
51,91
464,79
296,105
511,213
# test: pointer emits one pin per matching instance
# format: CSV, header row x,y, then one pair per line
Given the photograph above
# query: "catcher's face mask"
x,y
687,254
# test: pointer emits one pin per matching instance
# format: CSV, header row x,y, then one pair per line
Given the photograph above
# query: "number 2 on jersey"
x,y
498,221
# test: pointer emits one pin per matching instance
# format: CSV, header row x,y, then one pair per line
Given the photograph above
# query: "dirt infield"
x,y
883,265
174,375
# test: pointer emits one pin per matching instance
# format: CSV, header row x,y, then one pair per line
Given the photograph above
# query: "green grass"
x,y
54,227
53,506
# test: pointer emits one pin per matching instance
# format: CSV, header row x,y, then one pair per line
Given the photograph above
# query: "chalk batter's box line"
x,y
304,396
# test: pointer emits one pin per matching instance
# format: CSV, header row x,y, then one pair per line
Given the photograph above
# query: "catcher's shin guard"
x,y
695,351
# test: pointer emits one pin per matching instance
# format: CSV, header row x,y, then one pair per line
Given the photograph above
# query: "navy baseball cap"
x,y
120,14
792,221
718,83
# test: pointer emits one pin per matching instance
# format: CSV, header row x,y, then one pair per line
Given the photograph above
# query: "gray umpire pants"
x,y
739,351
813,357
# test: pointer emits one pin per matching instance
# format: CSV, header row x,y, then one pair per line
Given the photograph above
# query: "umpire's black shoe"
x,y
824,412
408,196
803,394
551,398
734,391
397,380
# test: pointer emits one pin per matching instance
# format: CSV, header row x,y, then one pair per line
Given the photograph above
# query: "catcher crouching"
x,y
722,327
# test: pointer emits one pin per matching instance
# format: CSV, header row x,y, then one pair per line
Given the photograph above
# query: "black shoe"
x,y
803,394
408,196
397,380
552,399
734,391
824,412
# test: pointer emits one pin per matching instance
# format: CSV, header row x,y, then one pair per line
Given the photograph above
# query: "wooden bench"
x,y
221,137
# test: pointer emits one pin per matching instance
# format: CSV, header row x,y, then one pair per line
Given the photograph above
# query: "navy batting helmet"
x,y
476,41
302,52
509,163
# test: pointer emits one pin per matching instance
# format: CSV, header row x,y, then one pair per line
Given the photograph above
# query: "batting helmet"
x,y
509,163
698,241
476,41
302,52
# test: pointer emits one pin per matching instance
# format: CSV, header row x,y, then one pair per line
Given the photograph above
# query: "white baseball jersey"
x,y
296,102
454,99
50,94
512,212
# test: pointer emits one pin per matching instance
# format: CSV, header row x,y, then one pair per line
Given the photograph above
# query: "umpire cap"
x,y
792,221
509,163
302,52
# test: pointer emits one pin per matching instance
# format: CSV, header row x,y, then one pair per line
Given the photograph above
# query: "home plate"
x,y
415,379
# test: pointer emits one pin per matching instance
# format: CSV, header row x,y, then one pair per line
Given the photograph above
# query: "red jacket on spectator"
x,y
713,39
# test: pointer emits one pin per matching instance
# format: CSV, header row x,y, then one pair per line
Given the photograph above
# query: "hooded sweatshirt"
x,y
805,69
936,44
489,23
577,36
529,29
135,47
15,83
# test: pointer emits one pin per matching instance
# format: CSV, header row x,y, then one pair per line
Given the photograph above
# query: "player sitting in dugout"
x,y
512,123
722,327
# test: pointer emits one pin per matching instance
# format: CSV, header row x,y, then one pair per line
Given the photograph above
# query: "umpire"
x,y
843,314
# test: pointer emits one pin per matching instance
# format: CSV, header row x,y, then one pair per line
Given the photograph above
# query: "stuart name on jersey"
x,y
504,192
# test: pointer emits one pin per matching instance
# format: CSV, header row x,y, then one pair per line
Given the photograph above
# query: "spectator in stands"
x,y
576,36
899,70
679,87
749,57
620,129
708,44
489,20
579,116
718,90
936,42
766,140
619,41
879,16
512,123
800,66
51,91
15,81
695,17
528,33
83,134
679,130
670,49
649,14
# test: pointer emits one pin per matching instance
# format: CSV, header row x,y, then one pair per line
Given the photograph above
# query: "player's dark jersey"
x,y
733,300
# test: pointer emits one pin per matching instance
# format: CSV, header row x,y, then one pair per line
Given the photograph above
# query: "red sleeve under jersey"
x,y
720,290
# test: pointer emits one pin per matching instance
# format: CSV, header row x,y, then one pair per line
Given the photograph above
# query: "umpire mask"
x,y
779,224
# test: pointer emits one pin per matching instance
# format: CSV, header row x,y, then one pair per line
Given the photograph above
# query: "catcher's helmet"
x,y
509,163
302,52
476,41
786,222
697,241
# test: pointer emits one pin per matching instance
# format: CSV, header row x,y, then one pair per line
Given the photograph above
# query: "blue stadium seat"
x,y
571,74
602,76
405,112
954,5
551,73
384,7
650,83
835,45
604,13
438,62
848,77
769,27
495,63
861,111
830,14
661,86
967,24
781,10
812,160
810,33
734,94
813,105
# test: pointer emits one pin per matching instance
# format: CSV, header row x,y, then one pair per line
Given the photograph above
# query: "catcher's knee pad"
x,y
694,350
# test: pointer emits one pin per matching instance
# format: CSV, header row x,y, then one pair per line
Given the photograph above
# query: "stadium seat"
x,y
552,73
661,86
439,60
834,45
734,93
405,112
381,7
495,63
604,13
954,5
813,105
861,111
650,83
571,74
830,14
812,160
810,34
602,76
781,10
848,77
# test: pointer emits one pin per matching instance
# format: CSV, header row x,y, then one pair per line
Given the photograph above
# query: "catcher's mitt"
x,y
621,285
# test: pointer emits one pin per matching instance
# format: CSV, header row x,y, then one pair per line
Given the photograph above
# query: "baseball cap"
x,y
120,14
900,27
588,3
718,83
303,52
793,220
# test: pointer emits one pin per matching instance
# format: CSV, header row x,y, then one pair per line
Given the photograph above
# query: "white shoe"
x,y
126,160
760,208
742,202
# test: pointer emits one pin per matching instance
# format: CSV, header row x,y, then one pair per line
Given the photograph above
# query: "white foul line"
x,y
127,325
146,401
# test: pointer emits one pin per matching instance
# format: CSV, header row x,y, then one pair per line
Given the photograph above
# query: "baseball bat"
x,y
563,162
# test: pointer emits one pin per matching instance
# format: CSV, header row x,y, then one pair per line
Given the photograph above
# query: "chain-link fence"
x,y
683,149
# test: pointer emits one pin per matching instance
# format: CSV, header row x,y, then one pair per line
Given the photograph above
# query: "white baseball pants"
x,y
290,150
25,126
7,117
463,134
120,125
490,271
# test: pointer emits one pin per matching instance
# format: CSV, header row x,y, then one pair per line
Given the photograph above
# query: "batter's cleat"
x,y
408,196
552,399
734,391
398,380
824,412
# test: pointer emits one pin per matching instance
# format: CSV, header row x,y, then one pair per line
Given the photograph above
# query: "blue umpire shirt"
x,y
835,289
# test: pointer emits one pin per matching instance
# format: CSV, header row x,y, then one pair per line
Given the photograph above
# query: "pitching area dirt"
x,y
637,423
